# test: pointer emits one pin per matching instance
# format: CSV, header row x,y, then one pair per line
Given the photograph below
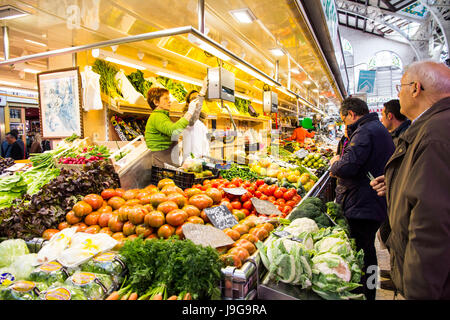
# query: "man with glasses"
x,y
417,186
366,153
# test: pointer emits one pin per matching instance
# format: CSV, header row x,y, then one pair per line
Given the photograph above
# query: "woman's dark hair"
x,y
358,106
189,95
154,94
393,106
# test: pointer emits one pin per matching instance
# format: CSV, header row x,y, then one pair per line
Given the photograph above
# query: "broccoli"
x,y
307,210
323,221
315,201
334,210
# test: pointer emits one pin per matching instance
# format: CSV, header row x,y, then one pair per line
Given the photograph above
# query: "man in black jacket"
x,y
369,148
17,152
393,119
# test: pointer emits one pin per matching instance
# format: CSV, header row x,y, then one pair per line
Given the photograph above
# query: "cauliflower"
x,y
329,263
333,245
305,225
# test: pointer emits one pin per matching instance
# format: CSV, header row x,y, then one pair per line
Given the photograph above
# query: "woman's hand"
x,y
378,184
192,109
204,86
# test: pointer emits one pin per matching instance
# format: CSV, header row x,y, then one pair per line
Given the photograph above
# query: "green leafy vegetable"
x,y
139,83
176,89
108,82
22,290
10,249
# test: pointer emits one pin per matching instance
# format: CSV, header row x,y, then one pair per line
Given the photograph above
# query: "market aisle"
x,y
384,264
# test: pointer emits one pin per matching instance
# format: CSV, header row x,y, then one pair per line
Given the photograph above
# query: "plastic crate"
x,y
183,180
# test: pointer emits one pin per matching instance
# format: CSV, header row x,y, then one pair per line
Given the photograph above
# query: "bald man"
x,y
417,186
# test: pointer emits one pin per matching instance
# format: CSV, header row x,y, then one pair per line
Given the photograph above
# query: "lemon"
x,y
292,178
304,180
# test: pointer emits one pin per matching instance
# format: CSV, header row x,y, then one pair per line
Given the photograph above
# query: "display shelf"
x,y
122,106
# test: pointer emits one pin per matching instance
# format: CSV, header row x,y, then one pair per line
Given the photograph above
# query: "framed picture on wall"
x,y
60,103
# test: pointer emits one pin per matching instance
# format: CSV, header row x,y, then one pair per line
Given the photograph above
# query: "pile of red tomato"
x,y
284,199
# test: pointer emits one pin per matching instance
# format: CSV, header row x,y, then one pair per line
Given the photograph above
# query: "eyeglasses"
x,y
399,86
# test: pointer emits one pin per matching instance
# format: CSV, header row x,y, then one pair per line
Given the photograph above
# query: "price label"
x,y
221,217
206,235
235,191
265,207
282,234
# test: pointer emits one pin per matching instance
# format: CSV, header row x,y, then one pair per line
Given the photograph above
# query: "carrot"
x,y
113,296
133,296
173,298
125,296
187,296
157,297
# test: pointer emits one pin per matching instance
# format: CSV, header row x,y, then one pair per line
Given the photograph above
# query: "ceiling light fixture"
x,y
295,71
277,52
7,83
35,42
125,63
208,48
307,82
95,53
244,15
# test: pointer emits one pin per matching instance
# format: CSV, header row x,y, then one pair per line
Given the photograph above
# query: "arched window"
x,y
389,70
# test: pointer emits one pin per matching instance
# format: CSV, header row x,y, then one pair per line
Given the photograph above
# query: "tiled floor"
x,y
383,263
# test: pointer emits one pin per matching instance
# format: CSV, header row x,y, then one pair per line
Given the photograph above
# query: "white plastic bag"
x,y
56,245
84,246
128,91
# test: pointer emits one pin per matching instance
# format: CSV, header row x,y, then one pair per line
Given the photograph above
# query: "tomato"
x,y
280,201
123,213
136,215
259,182
108,193
176,217
157,198
204,216
93,229
241,252
245,197
246,212
154,219
248,205
268,226
106,230
296,199
227,204
119,236
143,230
290,203
236,181
119,192
115,224
195,220
94,200
288,195
105,209
272,198
283,189
269,191
164,182
201,201
49,233
191,210
236,205
231,260
278,193
92,218
250,237
246,244
241,228
144,198
165,231
116,202
287,209
63,225
264,197
233,234
214,194
261,233
258,194
82,209
251,189
81,227
71,218
167,206
190,192
178,198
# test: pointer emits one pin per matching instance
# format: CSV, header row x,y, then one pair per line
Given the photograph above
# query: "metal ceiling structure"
x,y
424,25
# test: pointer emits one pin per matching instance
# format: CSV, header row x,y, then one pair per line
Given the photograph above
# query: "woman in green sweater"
x,y
161,134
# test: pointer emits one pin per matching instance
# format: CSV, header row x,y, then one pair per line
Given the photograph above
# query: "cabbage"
x,y
304,225
22,266
334,245
10,249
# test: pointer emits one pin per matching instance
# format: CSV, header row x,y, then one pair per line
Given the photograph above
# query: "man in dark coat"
x,y
393,119
17,152
369,148
417,186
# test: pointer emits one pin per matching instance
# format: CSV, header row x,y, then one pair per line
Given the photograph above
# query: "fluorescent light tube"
x,y
277,52
208,48
255,74
180,78
28,70
7,83
35,42
125,63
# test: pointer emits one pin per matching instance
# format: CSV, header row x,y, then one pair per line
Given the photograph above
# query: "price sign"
x,y
235,191
221,217
265,207
281,234
206,235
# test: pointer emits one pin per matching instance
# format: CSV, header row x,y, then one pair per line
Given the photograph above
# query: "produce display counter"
x,y
240,284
